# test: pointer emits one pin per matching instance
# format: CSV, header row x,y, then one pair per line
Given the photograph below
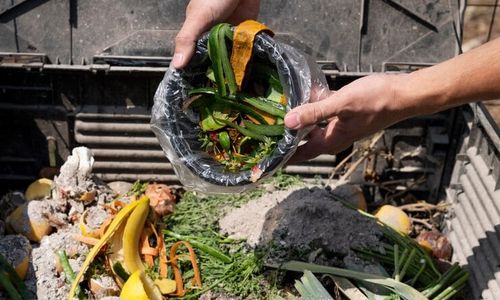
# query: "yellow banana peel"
x,y
133,289
132,235
113,227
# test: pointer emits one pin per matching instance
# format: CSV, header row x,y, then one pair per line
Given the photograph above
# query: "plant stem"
x,y
70,275
396,261
15,279
9,287
452,290
408,262
420,271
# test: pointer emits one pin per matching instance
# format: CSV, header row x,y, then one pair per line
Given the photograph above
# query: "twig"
x,y
423,222
410,186
341,165
367,152
424,206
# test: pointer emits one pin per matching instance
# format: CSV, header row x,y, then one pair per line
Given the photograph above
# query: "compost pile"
x,y
76,236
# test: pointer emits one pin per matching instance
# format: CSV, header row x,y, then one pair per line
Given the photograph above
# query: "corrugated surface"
x,y
474,224
125,148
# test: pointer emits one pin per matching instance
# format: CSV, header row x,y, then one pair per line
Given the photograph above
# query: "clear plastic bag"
x,y
178,131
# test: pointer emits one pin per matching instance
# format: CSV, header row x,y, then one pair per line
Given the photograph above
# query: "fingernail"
x,y
292,120
177,59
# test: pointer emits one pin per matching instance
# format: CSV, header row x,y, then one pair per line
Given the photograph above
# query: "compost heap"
x,y
78,228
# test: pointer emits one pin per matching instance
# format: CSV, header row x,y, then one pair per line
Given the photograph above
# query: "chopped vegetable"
x,y
238,123
39,189
394,217
310,288
70,275
113,227
180,291
436,244
403,290
202,247
9,287
243,38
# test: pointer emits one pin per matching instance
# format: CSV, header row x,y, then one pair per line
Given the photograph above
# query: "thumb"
x,y
312,113
185,40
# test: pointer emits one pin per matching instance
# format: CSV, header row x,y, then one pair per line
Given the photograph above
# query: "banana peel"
x,y
133,288
113,227
131,237
123,237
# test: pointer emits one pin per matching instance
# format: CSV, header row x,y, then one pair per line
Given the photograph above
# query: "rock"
x,y
2,228
104,286
9,202
17,250
75,172
120,187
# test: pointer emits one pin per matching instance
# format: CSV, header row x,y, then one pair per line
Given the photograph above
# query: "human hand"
x,y
203,14
359,109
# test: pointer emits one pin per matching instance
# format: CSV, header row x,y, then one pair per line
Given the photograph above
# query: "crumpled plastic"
x,y
178,131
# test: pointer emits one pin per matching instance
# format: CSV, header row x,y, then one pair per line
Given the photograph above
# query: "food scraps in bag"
x,y
241,117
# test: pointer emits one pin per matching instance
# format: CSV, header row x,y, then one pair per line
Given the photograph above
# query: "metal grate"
x,y
474,224
126,149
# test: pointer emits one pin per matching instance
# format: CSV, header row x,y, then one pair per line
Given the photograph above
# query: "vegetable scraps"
x,y
241,102
135,254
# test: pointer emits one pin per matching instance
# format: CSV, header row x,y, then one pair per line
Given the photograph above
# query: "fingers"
x,y
185,40
330,140
312,113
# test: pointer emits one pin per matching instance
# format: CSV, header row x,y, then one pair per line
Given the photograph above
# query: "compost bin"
x,y
85,72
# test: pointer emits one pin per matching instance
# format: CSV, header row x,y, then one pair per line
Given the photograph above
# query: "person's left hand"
x,y
360,108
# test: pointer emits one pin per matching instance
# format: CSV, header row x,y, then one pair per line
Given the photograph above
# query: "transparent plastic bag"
x,y
178,131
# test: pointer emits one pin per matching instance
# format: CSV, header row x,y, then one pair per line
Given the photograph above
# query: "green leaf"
x,y
218,53
265,105
273,95
208,122
403,290
310,288
268,130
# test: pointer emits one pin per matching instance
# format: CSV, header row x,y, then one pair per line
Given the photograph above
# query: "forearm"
x,y
469,77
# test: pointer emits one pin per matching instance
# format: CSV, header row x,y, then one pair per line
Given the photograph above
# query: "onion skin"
x,y
436,244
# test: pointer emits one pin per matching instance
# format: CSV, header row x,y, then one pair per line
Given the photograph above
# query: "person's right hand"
x,y
203,14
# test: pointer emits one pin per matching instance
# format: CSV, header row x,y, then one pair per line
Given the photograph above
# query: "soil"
x,y
302,223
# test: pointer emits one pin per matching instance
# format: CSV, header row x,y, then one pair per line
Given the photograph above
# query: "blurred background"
x,y
481,24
